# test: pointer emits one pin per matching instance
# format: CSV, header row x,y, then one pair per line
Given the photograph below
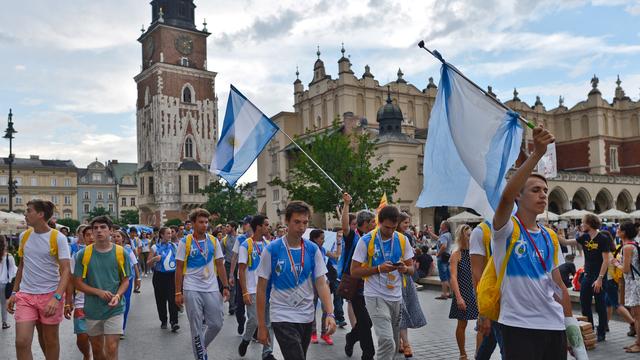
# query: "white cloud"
x,y
20,67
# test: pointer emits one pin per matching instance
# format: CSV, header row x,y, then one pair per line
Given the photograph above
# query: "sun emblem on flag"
x,y
231,141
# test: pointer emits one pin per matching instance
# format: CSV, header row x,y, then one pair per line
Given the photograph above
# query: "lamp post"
x,y
9,135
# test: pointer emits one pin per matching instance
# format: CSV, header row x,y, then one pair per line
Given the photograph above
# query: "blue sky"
x,y
67,69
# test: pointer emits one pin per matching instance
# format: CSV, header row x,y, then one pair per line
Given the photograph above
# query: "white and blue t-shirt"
x,y
389,250
527,291
167,252
201,270
276,267
144,245
243,258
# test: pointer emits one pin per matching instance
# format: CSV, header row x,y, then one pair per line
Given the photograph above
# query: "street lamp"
x,y
12,184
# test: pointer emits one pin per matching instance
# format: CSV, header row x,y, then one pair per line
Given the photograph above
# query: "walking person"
x,y
631,268
120,238
317,237
233,275
363,223
249,259
535,308
333,275
615,275
85,237
412,316
162,260
293,266
444,242
464,307
101,272
228,242
145,248
383,256
198,260
40,283
8,271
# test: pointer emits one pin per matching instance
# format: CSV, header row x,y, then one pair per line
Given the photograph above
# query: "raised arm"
x,y
541,138
346,198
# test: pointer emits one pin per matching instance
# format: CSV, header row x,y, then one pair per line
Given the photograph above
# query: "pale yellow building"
x,y
53,180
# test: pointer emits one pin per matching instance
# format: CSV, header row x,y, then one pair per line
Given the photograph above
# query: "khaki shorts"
x,y
110,326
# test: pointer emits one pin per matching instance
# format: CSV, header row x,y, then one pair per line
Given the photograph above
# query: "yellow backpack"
x,y
187,251
250,250
486,237
371,249
53,243
488,291
86,258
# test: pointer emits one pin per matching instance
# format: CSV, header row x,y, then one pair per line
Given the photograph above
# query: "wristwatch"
x,y
57,296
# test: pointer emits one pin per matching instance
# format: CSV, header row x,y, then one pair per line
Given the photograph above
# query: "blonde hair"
x,y
460,234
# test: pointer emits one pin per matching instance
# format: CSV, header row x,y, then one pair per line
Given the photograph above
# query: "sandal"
x,y
408,351
630,345
633,349
401,347
442,297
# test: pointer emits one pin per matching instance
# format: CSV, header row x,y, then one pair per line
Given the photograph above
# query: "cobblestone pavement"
x,y
145,339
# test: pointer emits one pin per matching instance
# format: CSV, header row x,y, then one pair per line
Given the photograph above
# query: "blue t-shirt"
x,y
167,252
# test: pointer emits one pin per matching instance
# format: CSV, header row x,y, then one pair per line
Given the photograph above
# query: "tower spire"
x,y
318,52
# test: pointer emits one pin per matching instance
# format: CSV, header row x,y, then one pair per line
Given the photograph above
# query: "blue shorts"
x,y
611,294
79,326
443,270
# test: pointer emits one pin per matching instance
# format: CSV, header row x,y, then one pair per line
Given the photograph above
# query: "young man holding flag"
x,y
534,302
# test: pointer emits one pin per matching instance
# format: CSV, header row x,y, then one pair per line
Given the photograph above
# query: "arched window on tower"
x,y
186,94
188,148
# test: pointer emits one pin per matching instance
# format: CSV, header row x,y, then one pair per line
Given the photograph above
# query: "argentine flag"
x,y
245,133
471,144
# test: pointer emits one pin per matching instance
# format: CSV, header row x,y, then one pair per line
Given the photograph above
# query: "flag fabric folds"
x,y
383,203
245,133
471,144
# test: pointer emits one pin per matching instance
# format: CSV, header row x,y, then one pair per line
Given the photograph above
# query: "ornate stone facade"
x,y
177,114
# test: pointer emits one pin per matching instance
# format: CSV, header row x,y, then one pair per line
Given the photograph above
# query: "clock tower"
x,y
176,114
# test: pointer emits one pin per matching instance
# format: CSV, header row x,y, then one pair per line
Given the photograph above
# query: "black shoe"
x,y
231,312
269,357
163,326
175,327
348,346
341,323
632,330
601,338
242,349
241,327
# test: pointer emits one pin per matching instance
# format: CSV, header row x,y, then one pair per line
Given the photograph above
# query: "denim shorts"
x,y
611,293
443,270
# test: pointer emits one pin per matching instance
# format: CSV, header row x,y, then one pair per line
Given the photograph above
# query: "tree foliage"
x,y
173,222
232,203
72,224
348,160
98,211
129,217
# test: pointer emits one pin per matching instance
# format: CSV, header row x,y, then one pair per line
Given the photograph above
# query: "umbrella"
x,y
574,214
466,217
11,223
614,214
551,216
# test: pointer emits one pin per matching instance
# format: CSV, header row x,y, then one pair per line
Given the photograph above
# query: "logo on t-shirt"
x,y
521,248
591,245
279,267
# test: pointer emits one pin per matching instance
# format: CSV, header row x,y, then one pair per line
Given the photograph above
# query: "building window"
x,y
193,184
34,181
85,195
186,92
4,199
67,182
96,177
18,200
18,181
110,196
141,186
54,199
67,200
4,180
151,186
185,62
54,182
86,208
124,201
276,195
67,215
100,196
100,206
613,159
111,208
133,201
188,148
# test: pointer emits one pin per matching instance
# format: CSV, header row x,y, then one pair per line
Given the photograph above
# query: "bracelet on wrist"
x,y
378,267
245,294
331,315
179,293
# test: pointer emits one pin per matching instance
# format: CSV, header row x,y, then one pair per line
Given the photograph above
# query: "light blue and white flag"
x,y
471,144
245,133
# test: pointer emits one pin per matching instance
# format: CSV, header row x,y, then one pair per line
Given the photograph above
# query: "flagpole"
x,y
438,56
313,161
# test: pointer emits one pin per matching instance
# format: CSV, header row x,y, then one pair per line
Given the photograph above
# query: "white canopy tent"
x,y
614,214
466,217
574,214
548,215
11,223
635,214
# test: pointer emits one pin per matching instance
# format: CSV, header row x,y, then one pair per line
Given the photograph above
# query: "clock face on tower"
x,y
184,44
149,46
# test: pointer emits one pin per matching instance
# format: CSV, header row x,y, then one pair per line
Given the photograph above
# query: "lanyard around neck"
x,y
204,252
381,243
293,264
544,266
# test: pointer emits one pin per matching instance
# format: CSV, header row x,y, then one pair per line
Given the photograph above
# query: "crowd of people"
x,y
275,277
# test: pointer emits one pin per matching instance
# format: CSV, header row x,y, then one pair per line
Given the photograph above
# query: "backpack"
x,y
617,272
371,249
250,250
486,237
53,243
488,291
187,251
86,259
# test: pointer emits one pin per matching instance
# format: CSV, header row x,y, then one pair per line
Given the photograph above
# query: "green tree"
x,y
98,211
129,217
232,203
172,222
347,159
72,224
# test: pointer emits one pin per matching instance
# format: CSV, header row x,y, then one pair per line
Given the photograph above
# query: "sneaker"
x,y
145,275
5,326
122,337
269,357
163,326
348,346
327,338
601,338
242,349
314,338
175,327
240,327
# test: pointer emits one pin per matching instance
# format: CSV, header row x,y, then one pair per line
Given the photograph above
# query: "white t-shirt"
x,y
201,269
476,243
6,276
40,272
376,285
284,288
78,301
526,299
243,257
